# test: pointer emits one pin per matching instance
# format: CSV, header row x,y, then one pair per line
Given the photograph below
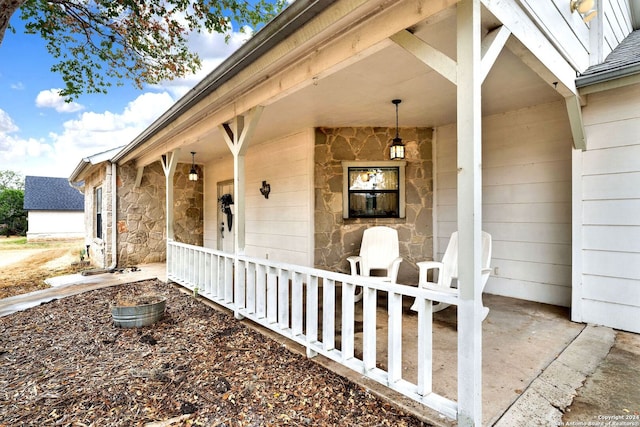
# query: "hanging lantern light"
x,y
396,152
193,173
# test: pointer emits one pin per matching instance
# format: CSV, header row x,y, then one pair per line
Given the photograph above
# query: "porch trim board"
x,y
285,299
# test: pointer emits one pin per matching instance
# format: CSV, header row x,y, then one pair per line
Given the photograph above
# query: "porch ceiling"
x,y
360,94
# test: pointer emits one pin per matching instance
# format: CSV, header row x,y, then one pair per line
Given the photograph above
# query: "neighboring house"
x,y
492,122
55,209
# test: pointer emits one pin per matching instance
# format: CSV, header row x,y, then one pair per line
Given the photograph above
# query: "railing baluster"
x,y
201,271
207,273
283,298
312,313
228,279
296,304
348,318
272,295
214,275
239,288
328,314
251,287
261,291
395,337
369,319
425,346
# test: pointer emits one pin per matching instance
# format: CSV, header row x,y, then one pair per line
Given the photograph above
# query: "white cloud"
x,y
7,124
213,50
16,153
17,86
89,134
51,99
95,132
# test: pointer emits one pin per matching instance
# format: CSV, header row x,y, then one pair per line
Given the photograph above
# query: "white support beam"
x,y
426,53
491,47
228,132
533,47
139,173
240,205
238,135
574,111
469,126
250,122
169,162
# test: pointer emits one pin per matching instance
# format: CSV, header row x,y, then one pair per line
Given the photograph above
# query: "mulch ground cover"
x,y
65,363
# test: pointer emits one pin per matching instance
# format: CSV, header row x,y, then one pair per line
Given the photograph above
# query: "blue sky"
x,y
42,135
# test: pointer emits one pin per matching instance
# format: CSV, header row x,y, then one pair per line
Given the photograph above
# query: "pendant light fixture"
x,y
193,173
396,152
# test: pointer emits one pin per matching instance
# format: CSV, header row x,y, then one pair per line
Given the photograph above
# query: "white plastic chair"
x,y
379,251
448,270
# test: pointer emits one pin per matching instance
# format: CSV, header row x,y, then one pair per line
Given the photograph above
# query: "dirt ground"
x,y
65,363
25,266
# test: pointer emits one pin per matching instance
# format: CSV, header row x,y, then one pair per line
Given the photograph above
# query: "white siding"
x,y
526,200
281,227
608,287
45,225
564,29
573,38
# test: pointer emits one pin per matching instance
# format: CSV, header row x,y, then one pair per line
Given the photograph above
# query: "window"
x,y
373,189
97,201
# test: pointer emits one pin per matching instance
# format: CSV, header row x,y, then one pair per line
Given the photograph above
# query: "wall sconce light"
x,y
193,173
265,190
586,9
396,152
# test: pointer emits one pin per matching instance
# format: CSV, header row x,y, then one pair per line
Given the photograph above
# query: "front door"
x,y
225,216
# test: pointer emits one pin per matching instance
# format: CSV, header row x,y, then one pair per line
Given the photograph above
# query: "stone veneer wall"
x,y
99,249
337,238
141,213
188,206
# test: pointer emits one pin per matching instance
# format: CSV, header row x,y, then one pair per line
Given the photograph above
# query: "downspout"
x,y
114,217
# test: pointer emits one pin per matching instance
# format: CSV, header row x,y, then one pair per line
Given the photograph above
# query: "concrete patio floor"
x,y
539,368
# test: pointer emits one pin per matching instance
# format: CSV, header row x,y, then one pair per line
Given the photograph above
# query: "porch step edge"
x,y
550,393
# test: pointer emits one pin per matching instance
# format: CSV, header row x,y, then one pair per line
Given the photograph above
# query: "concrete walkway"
x,y
540,369
73,284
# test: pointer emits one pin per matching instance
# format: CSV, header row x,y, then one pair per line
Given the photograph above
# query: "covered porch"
x,y
307,100
407,357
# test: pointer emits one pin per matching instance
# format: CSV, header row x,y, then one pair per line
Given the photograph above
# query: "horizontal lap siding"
x,y
281,227
526,200
610,288
566,30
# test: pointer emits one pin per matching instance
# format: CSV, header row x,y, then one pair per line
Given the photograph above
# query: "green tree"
x,y
11,179
13,218
98,42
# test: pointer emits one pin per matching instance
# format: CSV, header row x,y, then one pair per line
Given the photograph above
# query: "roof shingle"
x,y
622,61
43,193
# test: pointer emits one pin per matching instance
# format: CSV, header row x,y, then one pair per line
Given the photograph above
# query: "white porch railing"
x,y
285,298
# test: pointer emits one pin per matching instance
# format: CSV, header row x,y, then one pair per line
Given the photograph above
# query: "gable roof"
x,y
85,164
42,193
623,61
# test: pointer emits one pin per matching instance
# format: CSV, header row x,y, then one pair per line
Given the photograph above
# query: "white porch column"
x,y
237,135
169,162
469,126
